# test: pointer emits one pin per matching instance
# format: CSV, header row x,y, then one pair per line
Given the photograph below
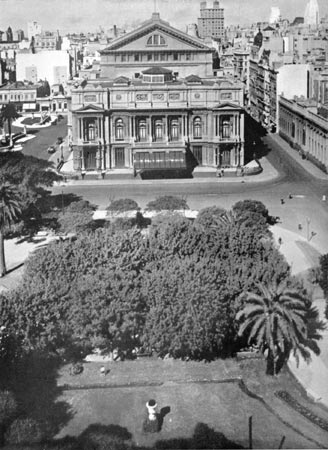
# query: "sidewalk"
x,y
268,173
307,165
301,255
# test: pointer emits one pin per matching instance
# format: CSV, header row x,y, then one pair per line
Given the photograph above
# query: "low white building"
x,y
53,66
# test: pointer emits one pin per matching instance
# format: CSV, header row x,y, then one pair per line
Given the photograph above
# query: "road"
x,y
43,138
306,208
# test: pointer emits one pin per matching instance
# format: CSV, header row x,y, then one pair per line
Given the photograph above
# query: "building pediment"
x,y
89,109
228,106
143,38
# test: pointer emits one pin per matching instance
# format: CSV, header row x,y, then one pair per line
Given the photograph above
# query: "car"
x,y
51,149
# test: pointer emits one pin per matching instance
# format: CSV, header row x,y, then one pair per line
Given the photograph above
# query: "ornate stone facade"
x,y
146,116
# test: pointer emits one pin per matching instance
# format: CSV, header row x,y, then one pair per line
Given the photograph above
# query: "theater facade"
x,y
155,105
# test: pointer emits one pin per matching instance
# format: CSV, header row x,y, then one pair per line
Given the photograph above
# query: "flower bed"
x,y
306,412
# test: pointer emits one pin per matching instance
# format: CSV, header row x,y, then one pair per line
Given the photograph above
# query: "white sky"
x,y
88,15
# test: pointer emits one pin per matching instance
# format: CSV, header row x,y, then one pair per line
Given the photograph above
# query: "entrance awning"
x,y
160,160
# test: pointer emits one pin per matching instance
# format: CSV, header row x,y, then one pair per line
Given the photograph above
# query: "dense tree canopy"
x,y
10,210
167,203
174,290
31,177
278,319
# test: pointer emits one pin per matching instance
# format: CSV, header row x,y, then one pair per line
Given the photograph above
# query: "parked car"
x,y
51,149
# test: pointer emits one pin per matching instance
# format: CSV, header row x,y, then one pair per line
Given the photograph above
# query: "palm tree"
x,y
8,113
10,210
276,321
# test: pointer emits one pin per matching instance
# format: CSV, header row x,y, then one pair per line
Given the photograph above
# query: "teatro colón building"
x,y
156,106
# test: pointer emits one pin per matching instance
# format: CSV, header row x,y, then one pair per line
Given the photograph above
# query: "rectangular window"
x,y
156,57
119,157
149,56
0,96
175,56
136,57
123,58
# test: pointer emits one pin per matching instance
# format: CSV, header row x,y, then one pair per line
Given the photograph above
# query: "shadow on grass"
x,y
114,437
160,417
33,381
204,437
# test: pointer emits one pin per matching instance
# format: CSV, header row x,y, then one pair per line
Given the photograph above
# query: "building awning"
x,y
29,106
174,159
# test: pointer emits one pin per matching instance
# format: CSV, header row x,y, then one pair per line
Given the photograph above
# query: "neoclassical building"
x,y
155,105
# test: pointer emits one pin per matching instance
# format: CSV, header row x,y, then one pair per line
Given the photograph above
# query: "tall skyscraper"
x,y
311,14
211,21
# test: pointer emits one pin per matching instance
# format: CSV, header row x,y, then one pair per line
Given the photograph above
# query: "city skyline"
x,y
89,15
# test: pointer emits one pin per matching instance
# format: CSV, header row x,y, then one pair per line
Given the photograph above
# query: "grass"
x,y
30,120
182,386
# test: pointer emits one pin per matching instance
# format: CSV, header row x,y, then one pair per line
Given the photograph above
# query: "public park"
x,y
161,314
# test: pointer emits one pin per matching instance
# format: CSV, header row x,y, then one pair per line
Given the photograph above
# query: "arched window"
x,y
174,129
225,127
197,128
156,39
142,127
158,129
90,131
119,130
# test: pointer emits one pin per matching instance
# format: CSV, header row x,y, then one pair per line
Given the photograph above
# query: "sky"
x,y
88,15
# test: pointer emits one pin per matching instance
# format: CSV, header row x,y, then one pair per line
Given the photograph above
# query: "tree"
x,y
211,216
76,216
7,114
275,319
31,176
122,205
323,277
10,209
189,314
167,202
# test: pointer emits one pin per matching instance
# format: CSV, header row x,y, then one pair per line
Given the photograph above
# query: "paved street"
x,y
43,138
305,208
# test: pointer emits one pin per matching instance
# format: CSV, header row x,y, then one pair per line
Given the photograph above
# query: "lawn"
x,y
30,120
224,406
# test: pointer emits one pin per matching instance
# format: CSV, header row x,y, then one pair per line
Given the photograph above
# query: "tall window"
x,y
119,130
142,128
174,129
197,128
304,137
225,127
158,129
90,132
293,129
